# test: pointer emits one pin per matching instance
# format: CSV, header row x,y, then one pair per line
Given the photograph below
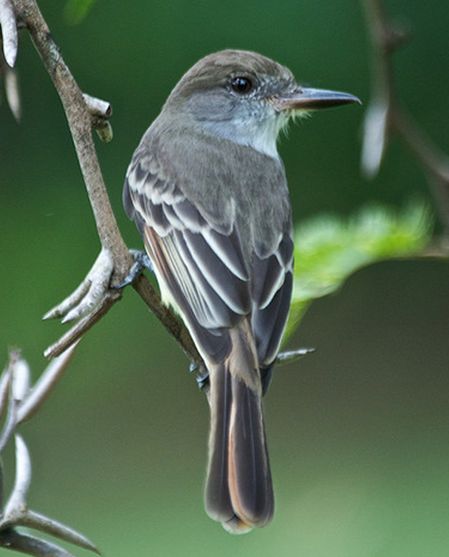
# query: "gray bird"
x,y
207,191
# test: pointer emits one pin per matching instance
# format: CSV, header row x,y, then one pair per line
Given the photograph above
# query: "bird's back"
x,y
245,189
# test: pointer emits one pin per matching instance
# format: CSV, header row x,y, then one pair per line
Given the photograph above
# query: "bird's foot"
x,y
141,262
202,380
202,377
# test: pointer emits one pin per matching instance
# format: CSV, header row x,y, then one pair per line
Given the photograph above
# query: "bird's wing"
x,y
200,265
271,295
210,273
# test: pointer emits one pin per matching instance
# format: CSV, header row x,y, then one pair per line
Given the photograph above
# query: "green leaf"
x,y
328,249
76,11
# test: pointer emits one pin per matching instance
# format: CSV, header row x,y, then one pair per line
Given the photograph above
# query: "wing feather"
x,y
272,290
210,275
233,258
214,287
231,289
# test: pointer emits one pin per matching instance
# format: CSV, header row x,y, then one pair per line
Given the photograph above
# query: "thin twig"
x,y
76,332
385,114
98,107
44,385
23,402
100,111
433,160
31,545
21,376
41,522
5,381
16,505
10,420
89,293
9,31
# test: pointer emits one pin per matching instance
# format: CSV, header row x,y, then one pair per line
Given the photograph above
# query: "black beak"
x,y
304,98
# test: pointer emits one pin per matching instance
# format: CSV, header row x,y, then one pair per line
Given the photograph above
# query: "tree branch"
x,y
82,114
23,401
80,124
385,114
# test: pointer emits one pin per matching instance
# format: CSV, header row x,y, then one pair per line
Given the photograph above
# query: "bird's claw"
x,y
141,262
193,366
202,377
202,380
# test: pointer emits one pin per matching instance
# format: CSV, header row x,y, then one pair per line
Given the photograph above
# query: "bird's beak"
x,y
304,98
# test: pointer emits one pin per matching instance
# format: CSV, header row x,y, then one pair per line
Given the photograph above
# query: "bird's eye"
x,y
241,85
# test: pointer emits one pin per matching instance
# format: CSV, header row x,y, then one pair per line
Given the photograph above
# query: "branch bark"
x,y
80,111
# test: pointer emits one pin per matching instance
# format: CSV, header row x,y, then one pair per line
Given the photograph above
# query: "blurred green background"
x,y
359,431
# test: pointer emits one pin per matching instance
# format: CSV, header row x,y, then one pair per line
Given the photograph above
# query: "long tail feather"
x,y
217,498
249,476
238,490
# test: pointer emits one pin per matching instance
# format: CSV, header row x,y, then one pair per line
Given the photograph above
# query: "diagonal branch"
x,y
385,114
80,124
81,113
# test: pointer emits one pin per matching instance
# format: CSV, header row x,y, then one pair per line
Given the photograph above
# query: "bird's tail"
x,y
239,491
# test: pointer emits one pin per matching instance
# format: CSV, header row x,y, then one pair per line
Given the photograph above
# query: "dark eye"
x,y
241,85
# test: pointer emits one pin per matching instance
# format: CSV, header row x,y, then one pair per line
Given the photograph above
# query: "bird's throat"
x,y
259,135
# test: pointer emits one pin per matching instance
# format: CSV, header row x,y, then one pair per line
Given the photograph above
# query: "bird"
x,y
208,193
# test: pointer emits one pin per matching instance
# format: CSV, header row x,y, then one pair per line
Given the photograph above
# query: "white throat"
x,y
260,135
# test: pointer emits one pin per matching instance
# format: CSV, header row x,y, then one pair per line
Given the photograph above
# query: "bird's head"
x,y
245,97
